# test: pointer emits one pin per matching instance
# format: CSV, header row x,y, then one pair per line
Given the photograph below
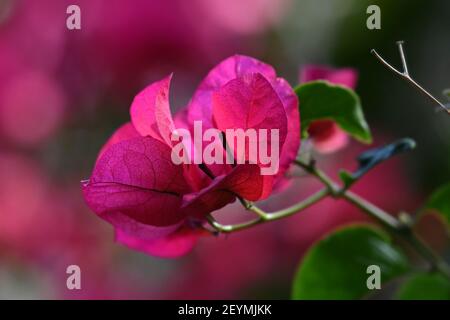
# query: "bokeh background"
x,y
62,93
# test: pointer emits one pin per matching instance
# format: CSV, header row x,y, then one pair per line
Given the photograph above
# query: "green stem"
x,y
380,215
267,216
437,262
312,169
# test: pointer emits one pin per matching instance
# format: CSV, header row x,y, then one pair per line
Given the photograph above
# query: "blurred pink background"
x,y
63,92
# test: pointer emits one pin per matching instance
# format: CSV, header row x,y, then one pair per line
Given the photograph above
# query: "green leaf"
x,y
440,201
336,267
425,287
321,100
347,178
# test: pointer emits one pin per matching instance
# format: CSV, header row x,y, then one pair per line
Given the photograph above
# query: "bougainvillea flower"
x,y
158,206
201,105
326,135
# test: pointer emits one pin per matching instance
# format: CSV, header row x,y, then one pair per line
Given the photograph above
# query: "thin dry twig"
x,y
406,76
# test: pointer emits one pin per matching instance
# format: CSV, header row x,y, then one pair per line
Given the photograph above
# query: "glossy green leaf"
x,y
425,287
440,201
322,100
336,267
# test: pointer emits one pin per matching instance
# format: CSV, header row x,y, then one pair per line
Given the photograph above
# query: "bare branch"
x,y
405,75
402,56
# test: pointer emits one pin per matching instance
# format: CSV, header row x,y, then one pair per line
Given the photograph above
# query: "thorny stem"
x,y
332,189
405,75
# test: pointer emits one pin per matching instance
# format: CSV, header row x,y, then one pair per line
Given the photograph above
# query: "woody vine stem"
x,y
400,227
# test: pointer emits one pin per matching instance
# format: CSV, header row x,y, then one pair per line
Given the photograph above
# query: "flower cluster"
x,y
159,207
